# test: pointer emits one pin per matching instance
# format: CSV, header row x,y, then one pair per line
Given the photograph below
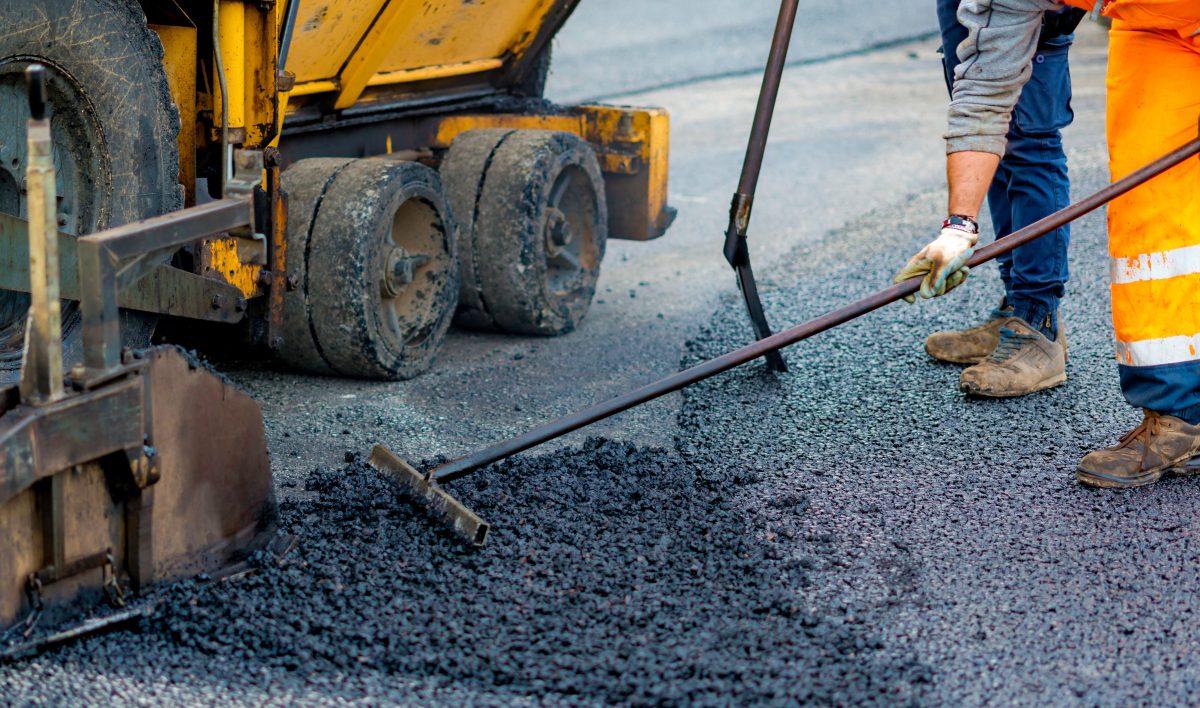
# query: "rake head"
x,y
448,511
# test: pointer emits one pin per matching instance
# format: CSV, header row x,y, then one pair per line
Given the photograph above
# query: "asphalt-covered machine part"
x,y
426,487
136,466
373,251
533,224
737,249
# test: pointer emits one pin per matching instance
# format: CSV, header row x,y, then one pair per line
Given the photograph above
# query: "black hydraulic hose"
x,y
289,27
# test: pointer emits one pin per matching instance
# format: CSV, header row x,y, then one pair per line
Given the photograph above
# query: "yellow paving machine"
x,y
328,182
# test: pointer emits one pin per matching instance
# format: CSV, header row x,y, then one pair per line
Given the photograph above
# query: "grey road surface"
x,y
612,47
852,533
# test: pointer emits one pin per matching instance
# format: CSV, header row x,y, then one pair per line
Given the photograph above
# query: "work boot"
x,y
1161,445
969,346
1023,361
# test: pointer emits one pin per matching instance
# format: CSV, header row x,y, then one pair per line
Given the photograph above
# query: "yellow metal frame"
x,y
345,48
249,40
389,78
179,60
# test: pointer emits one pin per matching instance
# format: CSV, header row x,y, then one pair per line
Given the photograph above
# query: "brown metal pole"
x,y
767,95
737,249
465,465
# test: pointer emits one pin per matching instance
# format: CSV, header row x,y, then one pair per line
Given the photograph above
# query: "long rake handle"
x,y
767,95
466,465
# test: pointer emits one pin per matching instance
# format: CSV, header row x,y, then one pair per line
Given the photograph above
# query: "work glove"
x,y
943,261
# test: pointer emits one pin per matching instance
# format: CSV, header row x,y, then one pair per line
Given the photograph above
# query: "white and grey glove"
x,y
943,260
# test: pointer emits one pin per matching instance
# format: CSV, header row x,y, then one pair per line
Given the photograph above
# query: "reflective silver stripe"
x,y
1156,266
1154,352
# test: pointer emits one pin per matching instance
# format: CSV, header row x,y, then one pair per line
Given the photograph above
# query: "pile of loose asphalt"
x,y
852,532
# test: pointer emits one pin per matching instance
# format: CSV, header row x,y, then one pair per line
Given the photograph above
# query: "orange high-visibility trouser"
x,y
1154,230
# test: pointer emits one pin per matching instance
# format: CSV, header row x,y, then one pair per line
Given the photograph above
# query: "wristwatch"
x,y
962,223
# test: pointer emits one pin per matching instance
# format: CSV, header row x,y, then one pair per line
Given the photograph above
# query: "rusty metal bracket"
x,y
277,205
40,441
162,290
42,368
103,255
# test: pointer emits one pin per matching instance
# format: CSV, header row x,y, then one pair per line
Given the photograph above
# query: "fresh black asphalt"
x,y
852,532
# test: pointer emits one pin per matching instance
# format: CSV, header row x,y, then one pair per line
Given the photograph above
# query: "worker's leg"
x,y
1154,244
1154,231
972,345
1001,210
1037,187
1030,183
1031,354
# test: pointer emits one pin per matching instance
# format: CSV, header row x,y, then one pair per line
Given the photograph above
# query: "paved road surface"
x,y
852,533
612,47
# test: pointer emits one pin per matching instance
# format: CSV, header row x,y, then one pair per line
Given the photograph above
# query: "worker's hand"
x,y
943,261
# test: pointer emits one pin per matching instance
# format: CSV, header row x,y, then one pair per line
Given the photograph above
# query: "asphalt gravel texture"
x,y
852,532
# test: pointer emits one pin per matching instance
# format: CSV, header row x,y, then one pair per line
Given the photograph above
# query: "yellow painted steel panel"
x,y
327,32
219,259
233,59
347,45
440,32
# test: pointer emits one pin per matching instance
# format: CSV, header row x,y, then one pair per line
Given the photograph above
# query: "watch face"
x,y
965,223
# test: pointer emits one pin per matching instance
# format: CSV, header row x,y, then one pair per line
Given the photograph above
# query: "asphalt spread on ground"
x,y
852,532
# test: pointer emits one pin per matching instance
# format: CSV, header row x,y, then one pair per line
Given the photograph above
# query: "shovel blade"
x,y
758,317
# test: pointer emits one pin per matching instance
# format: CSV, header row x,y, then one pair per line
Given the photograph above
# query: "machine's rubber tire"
x,y
368,218
115,134
305,184
462,172
514,191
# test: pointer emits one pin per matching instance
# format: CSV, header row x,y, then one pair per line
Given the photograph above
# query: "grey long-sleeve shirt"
x,y
995,63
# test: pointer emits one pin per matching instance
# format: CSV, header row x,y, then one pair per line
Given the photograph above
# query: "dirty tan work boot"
x,y
1024,361
1161,445
969,346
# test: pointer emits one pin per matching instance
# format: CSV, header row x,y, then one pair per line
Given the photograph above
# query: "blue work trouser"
x,y
1031,181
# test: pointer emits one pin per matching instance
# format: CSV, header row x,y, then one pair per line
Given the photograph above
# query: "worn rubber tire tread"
x,y
462,171
509,245
343,295
134,106
305,184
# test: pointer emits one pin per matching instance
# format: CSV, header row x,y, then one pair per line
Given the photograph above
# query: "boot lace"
x,y
1144,433
1148,428
1010,343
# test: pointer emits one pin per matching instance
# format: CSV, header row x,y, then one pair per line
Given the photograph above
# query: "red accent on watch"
x,y
962,223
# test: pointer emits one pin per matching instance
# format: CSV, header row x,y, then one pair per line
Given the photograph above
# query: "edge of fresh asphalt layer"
x,y
781,273
759,68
